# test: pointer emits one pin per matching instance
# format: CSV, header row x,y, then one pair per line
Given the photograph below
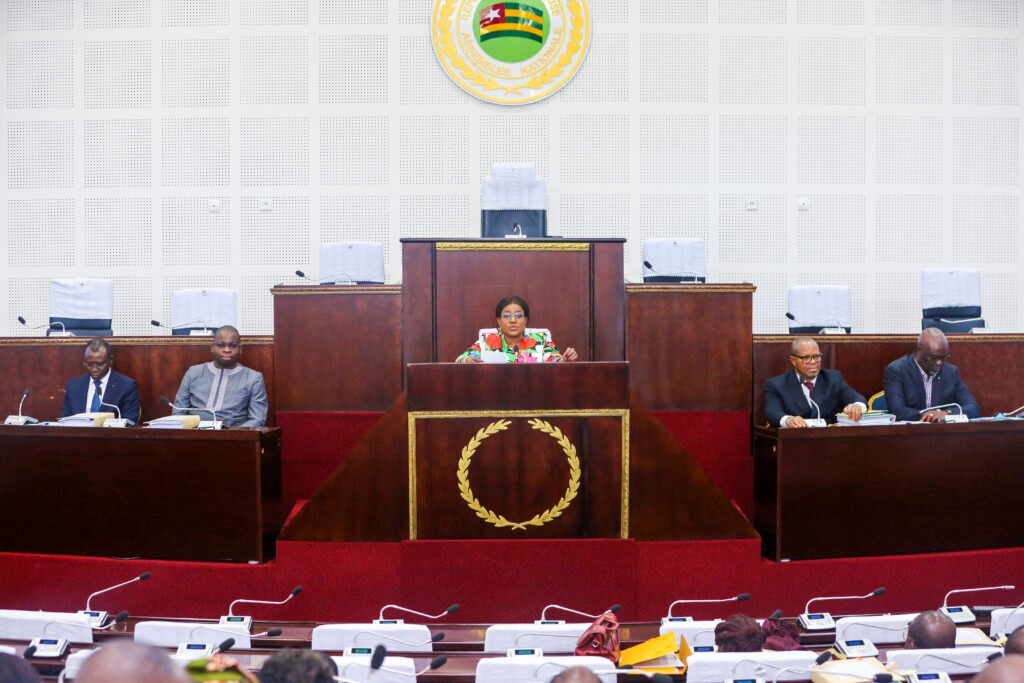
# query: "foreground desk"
x,y
172,494
859,491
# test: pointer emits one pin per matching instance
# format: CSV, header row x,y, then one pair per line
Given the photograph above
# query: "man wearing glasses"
x,y
232,393
923,379
101,386
809,391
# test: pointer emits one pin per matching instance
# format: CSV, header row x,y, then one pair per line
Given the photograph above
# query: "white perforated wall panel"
x,y
219,142
40,74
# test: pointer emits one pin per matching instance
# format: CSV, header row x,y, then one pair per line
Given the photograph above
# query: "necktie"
x,y
810,389
95,407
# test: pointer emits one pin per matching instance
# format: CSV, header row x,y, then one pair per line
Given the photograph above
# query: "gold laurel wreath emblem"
x,y
537,520
541,78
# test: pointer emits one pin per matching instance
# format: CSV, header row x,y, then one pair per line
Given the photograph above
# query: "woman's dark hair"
x,y
512,300
739,633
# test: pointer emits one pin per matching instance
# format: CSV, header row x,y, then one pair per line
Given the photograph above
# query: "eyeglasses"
x,y
508,315
936,359
227,345
100,364
813,358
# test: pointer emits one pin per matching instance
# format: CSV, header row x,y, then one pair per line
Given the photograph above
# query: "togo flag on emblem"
x,y
512,19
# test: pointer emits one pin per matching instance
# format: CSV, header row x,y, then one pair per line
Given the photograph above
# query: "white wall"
x,y
899,120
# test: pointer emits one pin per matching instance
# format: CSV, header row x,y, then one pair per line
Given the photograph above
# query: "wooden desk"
x,y
171,494
861,491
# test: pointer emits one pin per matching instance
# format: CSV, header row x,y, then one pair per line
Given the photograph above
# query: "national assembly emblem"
x,y
511,52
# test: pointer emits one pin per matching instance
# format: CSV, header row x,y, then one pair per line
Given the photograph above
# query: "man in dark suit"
x,y
788,397
101,386
924,379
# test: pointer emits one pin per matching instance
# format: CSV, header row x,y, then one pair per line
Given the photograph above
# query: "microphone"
x,y
613,609
823,657
295,592
377,658
144,576
20,419
63,328
986,660
121,617
648,266
817,421
119,422
877,678
435,663
29,652
742,597
216,424
433,639
452,609
961,614
515,642
822,621
270,633
1009,616
226,645
331,278
206,328
832,325
950,417
777,614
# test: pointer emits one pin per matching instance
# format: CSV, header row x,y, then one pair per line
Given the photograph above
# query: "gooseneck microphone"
x,y
295,592
63,328
742,597
945,600
144,576
20,419
377,634
205,327
543,615
452,609
875,593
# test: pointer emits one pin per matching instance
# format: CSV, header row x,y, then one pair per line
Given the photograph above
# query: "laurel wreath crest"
x,y
484,82
537,520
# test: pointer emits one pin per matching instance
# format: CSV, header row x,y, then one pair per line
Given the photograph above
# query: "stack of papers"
x,y
869,419
175,422
85,420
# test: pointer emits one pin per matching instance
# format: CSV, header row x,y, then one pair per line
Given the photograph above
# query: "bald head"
x,y
1015,642
576,674
17,670
1008,669
130,662
931,629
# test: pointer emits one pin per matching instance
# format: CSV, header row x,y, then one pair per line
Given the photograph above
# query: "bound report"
x,y
175,422
85,420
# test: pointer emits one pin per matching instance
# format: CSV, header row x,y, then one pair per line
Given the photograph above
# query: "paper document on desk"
x,y
870,418
493,356
175,422
85,420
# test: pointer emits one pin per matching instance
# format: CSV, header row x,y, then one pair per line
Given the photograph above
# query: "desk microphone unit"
x,y
822,621
20,419
961,614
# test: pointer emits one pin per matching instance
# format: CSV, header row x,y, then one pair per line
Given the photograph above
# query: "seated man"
x,y
102,386
791,397
924,379
930,630
236,394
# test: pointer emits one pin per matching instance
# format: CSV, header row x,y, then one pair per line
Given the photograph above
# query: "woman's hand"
x,y
569,355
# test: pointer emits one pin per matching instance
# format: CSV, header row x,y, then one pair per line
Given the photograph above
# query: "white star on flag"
x,y
492,14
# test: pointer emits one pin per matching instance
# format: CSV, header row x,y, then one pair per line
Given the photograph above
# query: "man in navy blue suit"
x,y
101,386
924,379
790,398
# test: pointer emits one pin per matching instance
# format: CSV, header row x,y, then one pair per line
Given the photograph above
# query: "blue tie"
x,y
95,408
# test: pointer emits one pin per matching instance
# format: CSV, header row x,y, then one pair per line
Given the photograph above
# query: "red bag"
x,y
601,638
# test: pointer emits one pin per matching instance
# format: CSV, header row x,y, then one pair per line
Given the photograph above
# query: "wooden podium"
x,y
518,451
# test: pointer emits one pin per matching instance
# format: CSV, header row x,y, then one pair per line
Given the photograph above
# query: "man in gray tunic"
x,y
234,392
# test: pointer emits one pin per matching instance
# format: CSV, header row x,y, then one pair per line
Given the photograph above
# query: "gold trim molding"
x,y
512,245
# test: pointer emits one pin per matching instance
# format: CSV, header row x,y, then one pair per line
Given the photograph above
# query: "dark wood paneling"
x,y
689,346
851,492
366,498
418,301
608,302
44,365
172,494
522,387
337,348
981,358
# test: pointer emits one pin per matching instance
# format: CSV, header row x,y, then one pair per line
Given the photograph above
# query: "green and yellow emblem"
x,y
511,52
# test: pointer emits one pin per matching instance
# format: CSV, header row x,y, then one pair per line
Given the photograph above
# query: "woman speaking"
x,y
512,339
